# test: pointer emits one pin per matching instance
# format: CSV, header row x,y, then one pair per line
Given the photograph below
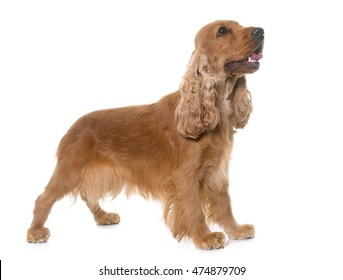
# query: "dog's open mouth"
x,y
254,58
249,64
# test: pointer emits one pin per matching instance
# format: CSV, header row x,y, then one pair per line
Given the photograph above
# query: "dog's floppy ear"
x,y
197,112
241,104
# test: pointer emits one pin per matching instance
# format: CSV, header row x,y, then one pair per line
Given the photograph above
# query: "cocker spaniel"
x,y
176,150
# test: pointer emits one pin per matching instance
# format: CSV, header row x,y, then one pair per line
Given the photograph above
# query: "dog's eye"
x,y
223,31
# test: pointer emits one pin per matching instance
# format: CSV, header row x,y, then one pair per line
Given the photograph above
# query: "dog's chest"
x,y
216,154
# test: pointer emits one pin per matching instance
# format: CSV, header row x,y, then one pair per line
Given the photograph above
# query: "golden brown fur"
x,y
176,150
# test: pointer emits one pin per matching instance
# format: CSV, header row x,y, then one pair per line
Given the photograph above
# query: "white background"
x,y
62,59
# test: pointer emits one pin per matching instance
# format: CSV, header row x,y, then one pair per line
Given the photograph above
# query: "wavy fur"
x,y
176,150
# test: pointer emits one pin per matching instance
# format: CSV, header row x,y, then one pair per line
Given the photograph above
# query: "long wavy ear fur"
x,y
241,104
197,111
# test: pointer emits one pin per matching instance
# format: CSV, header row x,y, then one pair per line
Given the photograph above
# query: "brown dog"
x,y
176,150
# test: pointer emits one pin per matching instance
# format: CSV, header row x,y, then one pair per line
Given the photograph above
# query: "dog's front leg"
x,y
185,216
218,209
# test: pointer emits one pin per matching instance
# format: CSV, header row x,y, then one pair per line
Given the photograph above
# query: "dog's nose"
x,y
257,33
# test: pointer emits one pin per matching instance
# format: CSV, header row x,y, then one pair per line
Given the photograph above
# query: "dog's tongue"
x,y
256,56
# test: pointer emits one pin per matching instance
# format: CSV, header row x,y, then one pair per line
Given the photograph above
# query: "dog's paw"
x,y
108,219
40,235
213,240
242,232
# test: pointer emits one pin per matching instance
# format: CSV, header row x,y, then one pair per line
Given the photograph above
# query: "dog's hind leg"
x,y
75,152
54,191
99,180
101,217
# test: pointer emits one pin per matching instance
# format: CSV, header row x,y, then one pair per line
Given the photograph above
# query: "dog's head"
x,y
230,48
224,53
